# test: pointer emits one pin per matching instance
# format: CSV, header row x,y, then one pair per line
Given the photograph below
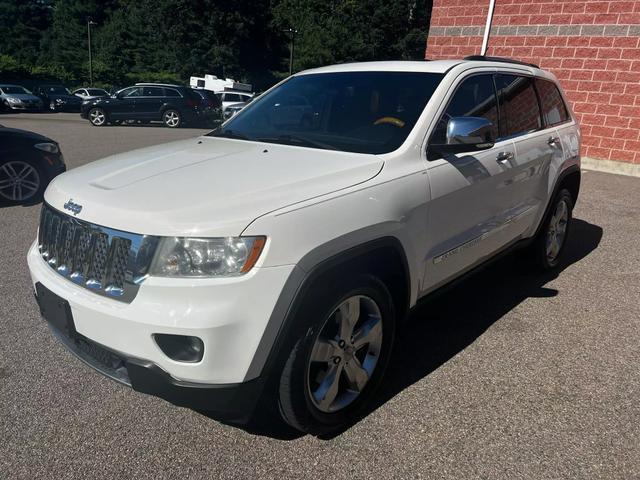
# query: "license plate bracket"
x,y
55,310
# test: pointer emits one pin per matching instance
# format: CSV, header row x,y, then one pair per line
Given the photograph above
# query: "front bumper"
x,y
229,315
230,402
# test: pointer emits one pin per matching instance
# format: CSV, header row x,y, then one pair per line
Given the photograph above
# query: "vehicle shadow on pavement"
x,y
441,326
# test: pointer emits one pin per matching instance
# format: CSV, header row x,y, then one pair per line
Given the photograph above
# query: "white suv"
x,y
270,262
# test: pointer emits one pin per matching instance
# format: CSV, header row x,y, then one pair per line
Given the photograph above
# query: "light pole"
x,y
90,23
292,35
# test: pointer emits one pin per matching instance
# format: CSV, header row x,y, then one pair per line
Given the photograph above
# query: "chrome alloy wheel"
x,y
97,116
345,354
171,118
19,181
557,231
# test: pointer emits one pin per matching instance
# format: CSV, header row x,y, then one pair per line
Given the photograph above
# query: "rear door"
x,y
470,194
148,106
535,145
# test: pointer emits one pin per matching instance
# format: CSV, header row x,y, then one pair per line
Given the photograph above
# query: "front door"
x,y
470,192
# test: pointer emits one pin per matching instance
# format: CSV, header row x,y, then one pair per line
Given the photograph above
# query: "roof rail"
x,y
484,58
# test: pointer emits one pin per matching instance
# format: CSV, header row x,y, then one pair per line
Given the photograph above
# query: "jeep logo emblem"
x,y
73,207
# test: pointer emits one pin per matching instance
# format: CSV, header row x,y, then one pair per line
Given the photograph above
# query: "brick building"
x,y
593,47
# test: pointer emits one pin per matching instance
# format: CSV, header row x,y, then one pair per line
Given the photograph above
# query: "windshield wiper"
x,y
295,140
229,134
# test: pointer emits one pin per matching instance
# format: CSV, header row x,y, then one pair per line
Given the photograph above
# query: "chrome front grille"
x,y
109,262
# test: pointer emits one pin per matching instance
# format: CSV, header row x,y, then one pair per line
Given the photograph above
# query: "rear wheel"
x,y
21,181
550,243
333,370
171,118
97,117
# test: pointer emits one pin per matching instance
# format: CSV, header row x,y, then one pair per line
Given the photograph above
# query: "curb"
x,y
610,166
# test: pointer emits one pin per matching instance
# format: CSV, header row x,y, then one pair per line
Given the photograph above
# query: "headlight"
x,y
47,147
206,257
13,100
59,100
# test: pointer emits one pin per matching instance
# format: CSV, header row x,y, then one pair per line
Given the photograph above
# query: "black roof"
x,y
484,58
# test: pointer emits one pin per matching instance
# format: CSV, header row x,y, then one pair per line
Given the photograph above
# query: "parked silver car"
x,y
15,97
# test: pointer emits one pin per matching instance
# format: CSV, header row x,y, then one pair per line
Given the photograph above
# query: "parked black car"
x,y
210,103
28,162
58,98
146,102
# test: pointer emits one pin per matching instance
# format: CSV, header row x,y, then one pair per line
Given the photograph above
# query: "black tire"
x,y
41,177
171,118
543,259
98,117
295,403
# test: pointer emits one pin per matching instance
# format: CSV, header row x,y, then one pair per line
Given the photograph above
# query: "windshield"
x,y
362,112
56,90
9,90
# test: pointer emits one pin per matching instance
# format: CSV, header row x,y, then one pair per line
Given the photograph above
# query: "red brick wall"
x,y
593,47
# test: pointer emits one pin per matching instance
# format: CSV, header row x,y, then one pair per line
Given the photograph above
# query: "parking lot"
x,y
508,375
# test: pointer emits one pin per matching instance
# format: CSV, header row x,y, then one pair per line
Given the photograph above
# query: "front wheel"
x,y
97,117
332,371
171,118
550,243
21,181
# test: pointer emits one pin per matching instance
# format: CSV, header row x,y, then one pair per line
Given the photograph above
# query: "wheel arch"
x,y
383,257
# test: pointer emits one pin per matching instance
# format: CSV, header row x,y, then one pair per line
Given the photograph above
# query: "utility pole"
x,y
90,23
487,28
292,35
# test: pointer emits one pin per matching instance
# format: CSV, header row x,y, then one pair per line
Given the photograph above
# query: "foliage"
x,y
171,40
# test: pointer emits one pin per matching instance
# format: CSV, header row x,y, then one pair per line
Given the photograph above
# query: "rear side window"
x,y
475,97
233,97
153,92
519,108
554,110
170,92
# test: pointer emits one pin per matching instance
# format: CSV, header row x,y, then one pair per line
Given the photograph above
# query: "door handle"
x,y
504,156
553,141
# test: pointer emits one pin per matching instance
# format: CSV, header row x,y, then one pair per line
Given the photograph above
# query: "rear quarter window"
x,y
554,111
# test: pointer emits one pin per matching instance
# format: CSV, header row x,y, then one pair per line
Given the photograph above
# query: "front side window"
x,y
475,97
362,112
519,108
131,92
554,110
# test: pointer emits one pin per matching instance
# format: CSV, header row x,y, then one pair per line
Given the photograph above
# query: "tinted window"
x,y
96,92
131,92
364,112
554,110
13,90
519,109
475,97
170,92
152,92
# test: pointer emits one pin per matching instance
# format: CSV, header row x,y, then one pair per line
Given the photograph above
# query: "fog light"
x,y
180,348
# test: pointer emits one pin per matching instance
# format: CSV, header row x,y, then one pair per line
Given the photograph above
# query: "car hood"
x,y
204,186
21,96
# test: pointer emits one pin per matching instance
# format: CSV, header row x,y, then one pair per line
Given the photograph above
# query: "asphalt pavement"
x,y
509,375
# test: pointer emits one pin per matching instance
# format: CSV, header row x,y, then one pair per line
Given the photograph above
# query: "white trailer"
x,y
219,85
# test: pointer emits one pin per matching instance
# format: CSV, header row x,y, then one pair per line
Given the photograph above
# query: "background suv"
x,y
146,102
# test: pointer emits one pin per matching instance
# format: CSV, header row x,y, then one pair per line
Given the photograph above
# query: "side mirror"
x,y
467,134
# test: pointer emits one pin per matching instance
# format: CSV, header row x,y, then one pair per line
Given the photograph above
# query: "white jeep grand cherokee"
x,y
271,261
